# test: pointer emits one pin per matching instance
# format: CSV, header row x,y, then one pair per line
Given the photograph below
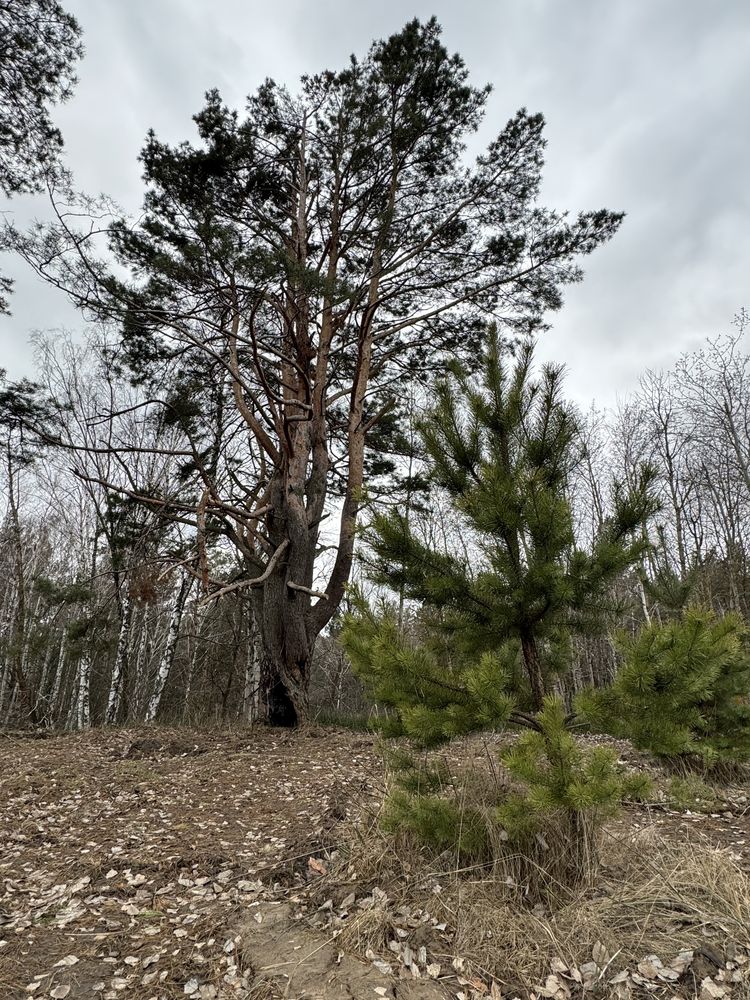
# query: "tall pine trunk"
x,y
284,622
285,665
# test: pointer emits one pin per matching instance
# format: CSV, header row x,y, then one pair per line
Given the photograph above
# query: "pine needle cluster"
x,y
493,637
682,690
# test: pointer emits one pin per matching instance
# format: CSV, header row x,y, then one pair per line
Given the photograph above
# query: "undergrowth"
x,y
653,896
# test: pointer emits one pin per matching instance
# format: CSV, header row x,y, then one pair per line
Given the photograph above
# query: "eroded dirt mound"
x,y
282,952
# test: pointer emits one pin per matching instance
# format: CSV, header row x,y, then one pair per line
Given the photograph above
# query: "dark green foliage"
x,y
503,451
540,823
57,594
668,589
440,824
486,645
23,409
435,696
682,691
559,776
39,46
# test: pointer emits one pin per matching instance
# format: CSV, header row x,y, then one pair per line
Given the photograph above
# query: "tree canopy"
x,y
292,268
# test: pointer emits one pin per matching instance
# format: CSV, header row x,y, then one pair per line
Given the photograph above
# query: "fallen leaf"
x,y
682,961
711,990
590,973
600,954
650,967
317,866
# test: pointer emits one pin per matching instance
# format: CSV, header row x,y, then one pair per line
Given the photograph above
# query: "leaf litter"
x,y
162,872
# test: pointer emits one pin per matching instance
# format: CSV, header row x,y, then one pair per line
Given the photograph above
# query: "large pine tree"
x,y
300,260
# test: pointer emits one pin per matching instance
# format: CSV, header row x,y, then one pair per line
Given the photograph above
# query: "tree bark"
x,y
53,710
252,704
121,660
534,672
170,647
83,710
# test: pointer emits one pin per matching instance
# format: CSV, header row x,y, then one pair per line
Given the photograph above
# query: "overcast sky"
x,y
648,111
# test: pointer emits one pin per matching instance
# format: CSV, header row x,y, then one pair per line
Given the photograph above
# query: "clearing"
x,y
170,863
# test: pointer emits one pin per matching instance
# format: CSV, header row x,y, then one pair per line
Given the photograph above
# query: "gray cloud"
x,y
646,102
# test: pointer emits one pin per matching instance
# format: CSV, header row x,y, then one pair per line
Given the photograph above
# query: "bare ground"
x,y
139,854
172,863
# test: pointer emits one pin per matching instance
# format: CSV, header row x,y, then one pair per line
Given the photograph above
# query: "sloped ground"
x,y
173,863
128,859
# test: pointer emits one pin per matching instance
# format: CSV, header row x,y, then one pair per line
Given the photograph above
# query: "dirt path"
x,y
129,859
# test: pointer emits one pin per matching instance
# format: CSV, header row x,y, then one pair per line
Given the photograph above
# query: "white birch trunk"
x,y
121,659
71,711
54,702
83,710
6,616
170,647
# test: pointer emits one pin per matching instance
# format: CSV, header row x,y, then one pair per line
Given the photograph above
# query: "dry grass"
x,y
659,897
654,895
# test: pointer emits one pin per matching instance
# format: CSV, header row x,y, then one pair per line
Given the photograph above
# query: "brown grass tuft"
x,y
653,896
